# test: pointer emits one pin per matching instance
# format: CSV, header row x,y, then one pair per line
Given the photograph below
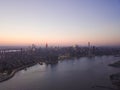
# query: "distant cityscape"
x,y
13,60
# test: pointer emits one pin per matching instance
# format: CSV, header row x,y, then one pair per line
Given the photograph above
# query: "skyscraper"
x,y
46,45
89,52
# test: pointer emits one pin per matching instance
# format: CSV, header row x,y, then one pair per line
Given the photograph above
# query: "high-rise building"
x,y
88,44
33,47
89,50
46,45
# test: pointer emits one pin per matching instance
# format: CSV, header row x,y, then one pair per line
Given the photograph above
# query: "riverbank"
x,y
115,78
8,76
116,64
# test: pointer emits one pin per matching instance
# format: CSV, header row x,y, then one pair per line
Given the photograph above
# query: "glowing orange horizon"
x,y
56,42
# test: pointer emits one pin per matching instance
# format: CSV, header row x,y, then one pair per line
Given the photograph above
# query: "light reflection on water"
x,y
77,74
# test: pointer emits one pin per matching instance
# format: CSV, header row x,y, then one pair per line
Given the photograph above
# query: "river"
x,y
72,74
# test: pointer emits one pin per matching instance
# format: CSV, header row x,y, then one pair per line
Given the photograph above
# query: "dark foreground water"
x,y
74,74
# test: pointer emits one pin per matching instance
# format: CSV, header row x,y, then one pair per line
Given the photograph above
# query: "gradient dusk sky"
x,y
59,22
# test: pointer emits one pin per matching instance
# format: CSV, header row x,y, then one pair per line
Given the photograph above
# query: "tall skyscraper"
x,y
46,45
89,51
33,47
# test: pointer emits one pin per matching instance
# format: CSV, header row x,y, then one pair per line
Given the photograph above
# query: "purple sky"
x,y
59,22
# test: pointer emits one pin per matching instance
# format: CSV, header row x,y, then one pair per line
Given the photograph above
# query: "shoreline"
x,y
116,64
7,77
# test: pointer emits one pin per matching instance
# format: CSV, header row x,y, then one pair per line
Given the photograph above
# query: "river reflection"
x,y
72,74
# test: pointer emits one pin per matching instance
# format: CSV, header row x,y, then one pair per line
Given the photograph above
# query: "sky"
x,y
59,22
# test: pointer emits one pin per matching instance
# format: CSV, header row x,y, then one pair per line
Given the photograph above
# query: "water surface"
x,y
72,74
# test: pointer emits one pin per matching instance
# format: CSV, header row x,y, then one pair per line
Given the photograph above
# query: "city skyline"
x,y
59,22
